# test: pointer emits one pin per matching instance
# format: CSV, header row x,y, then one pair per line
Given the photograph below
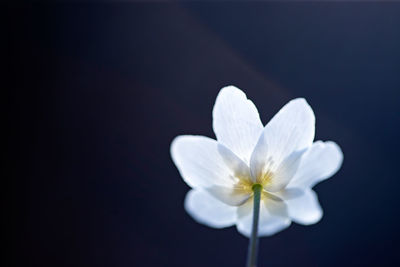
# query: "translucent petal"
x,y
229,195
236,122
273,217
207,210
199,161
284,172
239,168
305,209
203,163
320,162
289,133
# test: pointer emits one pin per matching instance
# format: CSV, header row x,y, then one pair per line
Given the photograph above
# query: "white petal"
x,y
274,205
320,162
229,195
273,217
290,193
290,130
207,210
305,209
234,163
199,161
203,163
284,172
274,226
236,122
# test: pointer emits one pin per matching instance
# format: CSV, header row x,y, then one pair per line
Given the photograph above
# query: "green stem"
x,y
253,245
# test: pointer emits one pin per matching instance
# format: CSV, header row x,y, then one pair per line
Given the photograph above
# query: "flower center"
x,y
246,185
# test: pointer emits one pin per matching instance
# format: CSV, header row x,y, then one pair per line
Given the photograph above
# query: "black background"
x,y
98,92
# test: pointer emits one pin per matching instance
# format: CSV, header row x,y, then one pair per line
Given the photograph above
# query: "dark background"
x,y
98,92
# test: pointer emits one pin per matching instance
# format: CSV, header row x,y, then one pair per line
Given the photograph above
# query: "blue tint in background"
x,y
98,92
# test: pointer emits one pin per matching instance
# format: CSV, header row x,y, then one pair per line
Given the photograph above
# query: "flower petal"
x,y
229,195
236,122
284,172
305,209
207,210
234,163
273,217
289,193
320,162
290,130
273,226
199,161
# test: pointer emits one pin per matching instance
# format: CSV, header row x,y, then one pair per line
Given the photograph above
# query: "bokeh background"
x,y
99,90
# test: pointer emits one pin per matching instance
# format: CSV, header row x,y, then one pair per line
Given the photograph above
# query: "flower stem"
x,y
253,245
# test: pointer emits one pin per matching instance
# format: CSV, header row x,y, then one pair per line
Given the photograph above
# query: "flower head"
x,y
281,157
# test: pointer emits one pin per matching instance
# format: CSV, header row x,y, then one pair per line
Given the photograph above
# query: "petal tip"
x,y
175,146
337,152
230,90
312,219
301,101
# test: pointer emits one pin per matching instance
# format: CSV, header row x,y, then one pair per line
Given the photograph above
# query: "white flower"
x,y
280,156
